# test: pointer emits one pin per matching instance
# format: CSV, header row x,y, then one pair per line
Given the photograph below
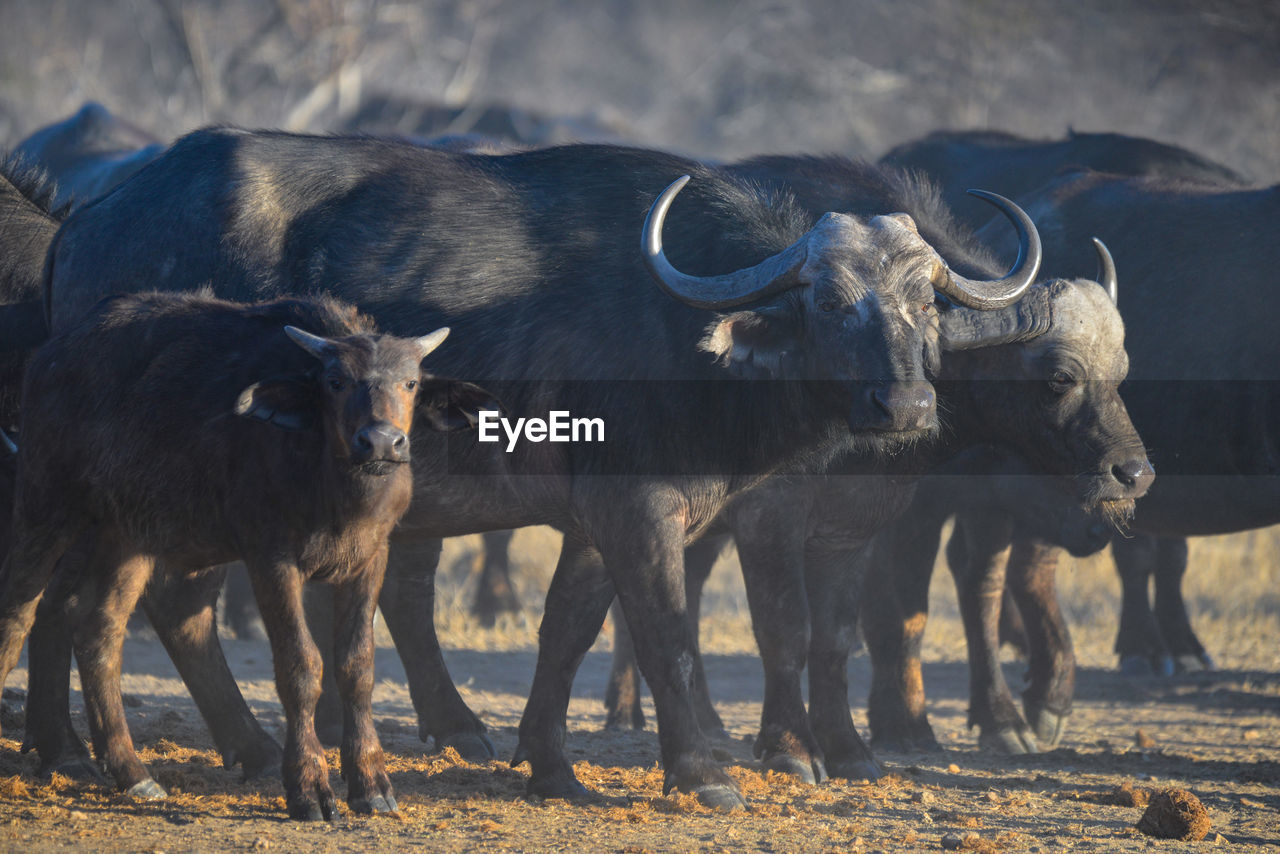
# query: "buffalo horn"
x,y
8,443
313,344
1008,290
772,275
1107,270
427,343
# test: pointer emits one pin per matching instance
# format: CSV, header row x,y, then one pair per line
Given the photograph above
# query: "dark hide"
x,y
1014,166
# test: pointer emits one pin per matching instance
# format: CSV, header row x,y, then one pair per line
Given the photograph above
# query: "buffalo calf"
x,y
185,431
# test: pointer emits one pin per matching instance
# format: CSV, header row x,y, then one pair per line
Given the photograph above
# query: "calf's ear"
x,y
752,344
447,405
287,403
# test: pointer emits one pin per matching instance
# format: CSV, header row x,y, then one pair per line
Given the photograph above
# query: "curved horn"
x,y
1007,290
313,344
1106,270
772,275
427,343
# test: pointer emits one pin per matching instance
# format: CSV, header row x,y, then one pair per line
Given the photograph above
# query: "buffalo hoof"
x,y
558,787
376,804
625,719
1192,663
855,769
147,790
721,797
471,746
324,809
1048,727
811,773
80,768
1011,741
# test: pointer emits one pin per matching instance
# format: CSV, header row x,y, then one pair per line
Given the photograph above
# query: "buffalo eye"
x,y
827,305
336,383
411,384
1061,382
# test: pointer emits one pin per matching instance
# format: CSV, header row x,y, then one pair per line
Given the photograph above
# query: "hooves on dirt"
x,y
376,804
1047,727
147,790
719,796
811,772
323,807
854,769
471,746
1010,740
1140,666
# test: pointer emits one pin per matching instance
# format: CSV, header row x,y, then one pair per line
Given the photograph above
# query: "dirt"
x,y
1214,733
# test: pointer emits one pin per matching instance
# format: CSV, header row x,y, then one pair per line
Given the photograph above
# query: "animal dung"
x,y
1175,814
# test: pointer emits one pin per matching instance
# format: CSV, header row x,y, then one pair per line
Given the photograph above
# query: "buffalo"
x,y
1015,165
189,431
818,342
1201,393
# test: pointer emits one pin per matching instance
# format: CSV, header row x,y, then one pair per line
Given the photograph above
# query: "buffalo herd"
x,y
217,350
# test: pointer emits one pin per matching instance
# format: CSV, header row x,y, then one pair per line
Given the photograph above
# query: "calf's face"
x,y
364,396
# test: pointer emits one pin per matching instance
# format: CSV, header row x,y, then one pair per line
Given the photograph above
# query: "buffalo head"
x,y
851,303
364,395
1044,375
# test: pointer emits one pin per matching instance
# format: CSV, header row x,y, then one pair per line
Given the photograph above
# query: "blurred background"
x,y
716,79
712,78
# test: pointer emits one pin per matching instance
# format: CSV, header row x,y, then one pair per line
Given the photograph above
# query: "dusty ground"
x,y
1214,734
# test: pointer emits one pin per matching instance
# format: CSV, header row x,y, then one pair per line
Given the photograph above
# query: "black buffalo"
x,y
193,431
1014,165
532,259
1201,391
89,153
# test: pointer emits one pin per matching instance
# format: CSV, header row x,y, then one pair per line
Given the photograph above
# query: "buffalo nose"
x,y
380,442
1135,475
907,406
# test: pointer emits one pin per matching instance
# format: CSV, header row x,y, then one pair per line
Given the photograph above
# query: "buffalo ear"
x,y
289,404
447,405
752,344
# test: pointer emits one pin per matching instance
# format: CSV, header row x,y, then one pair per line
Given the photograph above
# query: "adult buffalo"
x,y
1015,165
89,153
1202,393
781,340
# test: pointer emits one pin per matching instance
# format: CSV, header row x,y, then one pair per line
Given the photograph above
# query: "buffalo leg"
x,y
894,609
297,664
182,609
1180,639
48,721
645,560
363,763
317,603
576,605
495,594
98,646
834,579
1051,660
408,605
239,611
622,694
27,571
771,550
980,579
1138,643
